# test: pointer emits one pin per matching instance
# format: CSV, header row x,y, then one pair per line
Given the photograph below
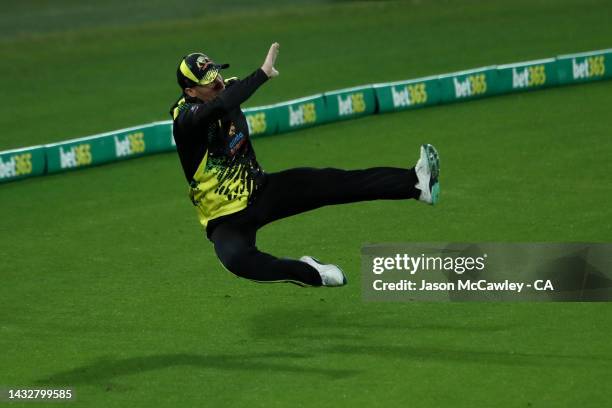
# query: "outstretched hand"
x,y
268,65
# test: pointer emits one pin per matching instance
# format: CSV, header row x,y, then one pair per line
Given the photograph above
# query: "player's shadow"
x,y
286,324
365,336
106,369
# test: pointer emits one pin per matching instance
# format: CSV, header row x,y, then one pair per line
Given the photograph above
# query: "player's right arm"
x,y
268,65
233,96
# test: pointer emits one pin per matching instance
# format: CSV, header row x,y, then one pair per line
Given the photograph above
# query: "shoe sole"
x,y
433,161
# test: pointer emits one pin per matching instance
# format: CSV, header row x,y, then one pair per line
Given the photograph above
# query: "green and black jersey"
x,y
212,140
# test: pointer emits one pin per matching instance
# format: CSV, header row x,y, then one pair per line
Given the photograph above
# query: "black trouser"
x,y
292,192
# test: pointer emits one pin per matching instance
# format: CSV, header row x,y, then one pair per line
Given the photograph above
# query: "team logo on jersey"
x,y
236,140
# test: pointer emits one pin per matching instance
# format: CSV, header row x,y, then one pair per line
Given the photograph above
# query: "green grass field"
x,y
110,287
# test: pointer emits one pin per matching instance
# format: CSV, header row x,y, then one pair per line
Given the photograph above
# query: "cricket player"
x,y
234,196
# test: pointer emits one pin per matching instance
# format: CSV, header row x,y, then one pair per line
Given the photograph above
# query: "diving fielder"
x,y
233,195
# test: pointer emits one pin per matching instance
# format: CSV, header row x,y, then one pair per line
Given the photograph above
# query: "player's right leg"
x,y
298,190
235,247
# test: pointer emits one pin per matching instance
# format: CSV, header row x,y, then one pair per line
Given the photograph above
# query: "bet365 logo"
x,y
471,85
75,156
17,165
257,123
409,95
304,114
352,103
590,67
528,76
130,144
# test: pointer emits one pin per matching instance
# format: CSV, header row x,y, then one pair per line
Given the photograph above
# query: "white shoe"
x,y
427,170
331,275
